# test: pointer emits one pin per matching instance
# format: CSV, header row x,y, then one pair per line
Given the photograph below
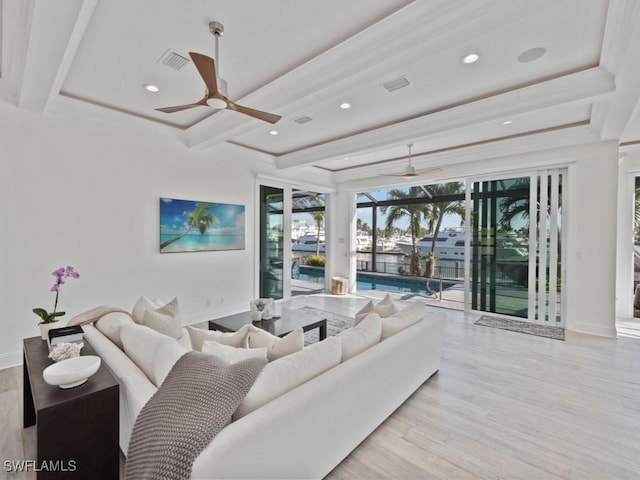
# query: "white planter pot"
x,y
45,327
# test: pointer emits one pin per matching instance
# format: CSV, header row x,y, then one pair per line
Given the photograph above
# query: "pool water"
x,y
364,281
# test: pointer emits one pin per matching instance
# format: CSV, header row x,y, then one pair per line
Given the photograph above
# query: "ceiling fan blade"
x,y
207,68
177,108
267,117
412,174
429,170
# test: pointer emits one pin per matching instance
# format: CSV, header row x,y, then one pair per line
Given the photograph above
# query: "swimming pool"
x,y
366,281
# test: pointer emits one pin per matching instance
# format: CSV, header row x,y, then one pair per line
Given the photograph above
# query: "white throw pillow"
x,y
142,345
110,325
363,312
286,373
404,318
231,355
143,304
235,339
361,337
168,354
384,308
276,347
164,323
185,339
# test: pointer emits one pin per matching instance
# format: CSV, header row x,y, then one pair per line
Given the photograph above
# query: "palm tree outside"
x,y
415,212
199,218
438,210
314,201
318,217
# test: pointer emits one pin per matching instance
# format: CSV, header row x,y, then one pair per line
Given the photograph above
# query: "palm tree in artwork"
x,y
439,209
199,218
415,212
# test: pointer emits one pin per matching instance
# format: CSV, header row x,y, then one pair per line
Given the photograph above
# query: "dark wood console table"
x,y
77,428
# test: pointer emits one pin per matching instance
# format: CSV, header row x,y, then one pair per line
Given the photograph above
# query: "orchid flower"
x,y
61,274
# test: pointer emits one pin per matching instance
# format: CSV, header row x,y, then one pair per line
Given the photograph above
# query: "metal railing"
x,y
453,271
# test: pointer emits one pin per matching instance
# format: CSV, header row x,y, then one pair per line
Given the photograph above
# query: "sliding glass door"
x,y
272,257
515,246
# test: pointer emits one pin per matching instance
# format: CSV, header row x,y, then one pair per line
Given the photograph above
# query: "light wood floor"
x,y
503,406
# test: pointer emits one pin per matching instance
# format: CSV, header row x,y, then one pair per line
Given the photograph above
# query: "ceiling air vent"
x,y
301,120
173,60
396,84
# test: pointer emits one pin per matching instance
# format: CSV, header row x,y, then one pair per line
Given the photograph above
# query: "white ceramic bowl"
x,y
72,371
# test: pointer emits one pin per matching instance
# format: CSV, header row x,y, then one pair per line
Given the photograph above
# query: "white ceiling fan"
x,y
409,170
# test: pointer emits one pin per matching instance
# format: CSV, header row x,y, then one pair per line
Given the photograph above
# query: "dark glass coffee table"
x,y
287,321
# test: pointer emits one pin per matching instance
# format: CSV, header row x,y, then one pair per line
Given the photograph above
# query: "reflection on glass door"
x,y
500,248
271,242
516,246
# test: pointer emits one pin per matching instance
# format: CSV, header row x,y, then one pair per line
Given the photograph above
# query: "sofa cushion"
x,y
384,308
286,373
110,324
142,345
276,347
231,355
161,322
235,339
402,319
360,337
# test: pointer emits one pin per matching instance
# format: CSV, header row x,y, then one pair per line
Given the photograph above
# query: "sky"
x,y
365,214
173,216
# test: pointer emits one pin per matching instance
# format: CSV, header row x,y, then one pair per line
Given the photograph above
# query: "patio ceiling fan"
x,y
409,170
215,95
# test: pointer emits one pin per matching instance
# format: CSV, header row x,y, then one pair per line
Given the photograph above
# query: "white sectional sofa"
x,y
306,431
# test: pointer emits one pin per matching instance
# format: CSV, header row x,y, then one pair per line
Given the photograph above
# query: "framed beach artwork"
x,y
192,226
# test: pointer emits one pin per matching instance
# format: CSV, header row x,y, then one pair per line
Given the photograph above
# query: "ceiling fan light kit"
x,y
216,88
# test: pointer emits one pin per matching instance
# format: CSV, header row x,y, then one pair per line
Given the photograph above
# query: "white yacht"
x,y
450,246
309,243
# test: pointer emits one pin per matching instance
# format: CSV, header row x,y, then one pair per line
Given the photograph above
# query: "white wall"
x,y
88,196
590,254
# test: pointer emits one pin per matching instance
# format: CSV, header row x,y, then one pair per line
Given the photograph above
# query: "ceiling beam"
x,y
427,28
582,86
620,51
54,34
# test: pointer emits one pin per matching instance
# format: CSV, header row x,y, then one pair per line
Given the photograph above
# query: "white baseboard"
x,y
10,359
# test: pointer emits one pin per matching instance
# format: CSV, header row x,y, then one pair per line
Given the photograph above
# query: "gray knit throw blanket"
x,y
192,405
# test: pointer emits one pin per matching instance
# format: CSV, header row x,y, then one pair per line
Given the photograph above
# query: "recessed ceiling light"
x,y
151,88
531,54
346,158
273,132
507,122
471,58
345,105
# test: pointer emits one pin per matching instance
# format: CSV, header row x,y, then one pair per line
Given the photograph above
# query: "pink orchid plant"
x,y
61,274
